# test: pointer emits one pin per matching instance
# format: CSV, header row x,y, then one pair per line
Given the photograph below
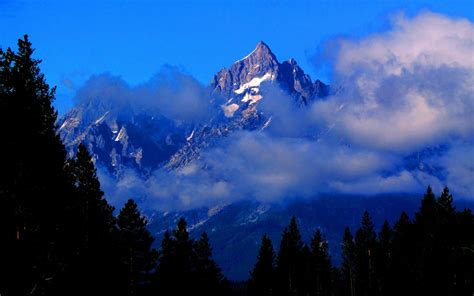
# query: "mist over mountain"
x,y
237,149
264,135
397,118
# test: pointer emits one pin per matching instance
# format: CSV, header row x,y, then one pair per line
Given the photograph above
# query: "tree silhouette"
x,y
348,263
95,269
137,257
262,277
365,249
320,265
38,227
186,267
383,259
209,277
289,271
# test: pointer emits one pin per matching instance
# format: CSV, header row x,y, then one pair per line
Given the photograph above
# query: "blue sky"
x,y
133,39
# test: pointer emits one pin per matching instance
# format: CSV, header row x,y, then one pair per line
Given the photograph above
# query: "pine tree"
x,y
262,277
35,190
365,248
463,283
383,258
402,274
289,271
445,202
95,269
209,277
427,226
348,272
137,257
320,265
176,272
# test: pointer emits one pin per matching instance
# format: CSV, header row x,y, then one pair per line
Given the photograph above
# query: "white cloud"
x,y
406,88
404,92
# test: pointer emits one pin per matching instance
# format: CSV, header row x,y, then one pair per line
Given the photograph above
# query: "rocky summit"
x,y
121,137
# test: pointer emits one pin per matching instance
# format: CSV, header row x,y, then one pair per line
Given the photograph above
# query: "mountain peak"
x,y
262,45
261,52
260,64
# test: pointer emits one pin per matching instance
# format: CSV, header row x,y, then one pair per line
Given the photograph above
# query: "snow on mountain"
x,y
121,137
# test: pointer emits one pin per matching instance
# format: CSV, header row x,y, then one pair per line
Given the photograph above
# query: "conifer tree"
x,y
402,275
35,190
320,265
426,218
463,283
365,249
186,267
427,226
445,202
289,271
176,272
137,257
209,277
348,274
166,271
95,269
262,277
383,258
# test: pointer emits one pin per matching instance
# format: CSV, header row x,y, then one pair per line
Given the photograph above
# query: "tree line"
x,y
59,235
431,254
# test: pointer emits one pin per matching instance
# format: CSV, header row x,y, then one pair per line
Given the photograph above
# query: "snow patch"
x,y
252,98
121,134
197,225
229,110
245,56
98,121
215,210
65,123
190,137
267,123
255,82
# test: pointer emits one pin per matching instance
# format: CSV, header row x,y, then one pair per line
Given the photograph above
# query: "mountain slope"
x,y
123,137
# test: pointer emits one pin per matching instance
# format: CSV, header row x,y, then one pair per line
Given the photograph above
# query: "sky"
x,y
135,39
401,120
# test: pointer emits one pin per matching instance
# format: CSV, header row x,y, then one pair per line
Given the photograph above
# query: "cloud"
x,y
401,120
171,93
255,165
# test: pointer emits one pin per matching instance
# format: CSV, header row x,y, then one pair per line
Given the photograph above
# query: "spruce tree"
x,y
320,263
365,249
138,259
427,226
289,271
95,269
464,255
35,190
262,277
403,273
208,275
446,207
176,272
348,270
383,259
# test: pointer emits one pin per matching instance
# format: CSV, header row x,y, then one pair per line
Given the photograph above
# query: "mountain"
x,y
236,230
121,136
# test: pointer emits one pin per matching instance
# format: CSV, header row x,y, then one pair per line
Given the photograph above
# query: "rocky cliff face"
x,y
241,88
121,138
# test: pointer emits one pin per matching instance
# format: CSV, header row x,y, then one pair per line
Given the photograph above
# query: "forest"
x,y
60,236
